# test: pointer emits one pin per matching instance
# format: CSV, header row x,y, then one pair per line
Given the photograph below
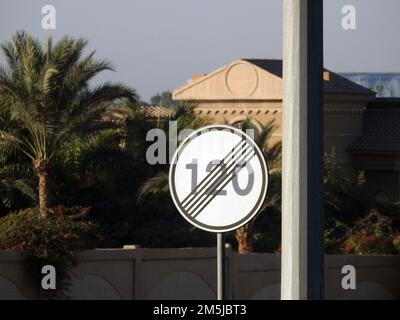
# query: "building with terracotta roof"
x,y
252,89
155,112
116,115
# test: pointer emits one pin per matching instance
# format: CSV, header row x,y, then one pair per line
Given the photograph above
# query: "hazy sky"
x,y
157,45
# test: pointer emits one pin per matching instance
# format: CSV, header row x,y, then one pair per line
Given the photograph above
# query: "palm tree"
x,y
46,100
272,152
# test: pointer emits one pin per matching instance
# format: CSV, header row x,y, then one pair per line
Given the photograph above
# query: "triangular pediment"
x,y
239,80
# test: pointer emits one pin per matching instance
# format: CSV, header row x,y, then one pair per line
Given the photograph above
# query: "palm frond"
x,y
27,189
101,151
157,185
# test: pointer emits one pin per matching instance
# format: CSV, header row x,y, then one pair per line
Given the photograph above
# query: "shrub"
x,y
334,235
373,234
346,199
53,240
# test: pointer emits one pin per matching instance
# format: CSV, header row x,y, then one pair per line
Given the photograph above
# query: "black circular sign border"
x,y
260,200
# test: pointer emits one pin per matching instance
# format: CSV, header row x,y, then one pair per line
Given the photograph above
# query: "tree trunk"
x,y
42,172
43,195
244,238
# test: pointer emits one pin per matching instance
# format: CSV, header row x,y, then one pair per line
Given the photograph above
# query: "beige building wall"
x,y
241,90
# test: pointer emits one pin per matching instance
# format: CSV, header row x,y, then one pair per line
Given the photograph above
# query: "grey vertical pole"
x,y
302,204
315,137
220,267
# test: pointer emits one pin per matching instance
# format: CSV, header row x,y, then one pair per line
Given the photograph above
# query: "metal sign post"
x,y
221,270
218,181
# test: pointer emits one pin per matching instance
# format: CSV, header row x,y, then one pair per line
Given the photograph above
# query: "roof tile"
x,y
381,131
336,83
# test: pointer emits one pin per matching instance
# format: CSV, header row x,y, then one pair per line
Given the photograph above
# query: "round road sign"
x,y
218,178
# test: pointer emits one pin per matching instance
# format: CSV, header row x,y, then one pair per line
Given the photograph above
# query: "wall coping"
x,y
331,261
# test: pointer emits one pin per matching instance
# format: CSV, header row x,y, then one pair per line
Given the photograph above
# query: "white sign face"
x,y
218,178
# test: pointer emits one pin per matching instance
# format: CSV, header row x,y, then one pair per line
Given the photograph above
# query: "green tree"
x,y
46,100
155,100
164,99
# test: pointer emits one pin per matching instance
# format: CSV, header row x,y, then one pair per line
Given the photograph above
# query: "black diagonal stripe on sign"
x,y
216,177
233,171
213,172
217,184
223,184
199,190
212,183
